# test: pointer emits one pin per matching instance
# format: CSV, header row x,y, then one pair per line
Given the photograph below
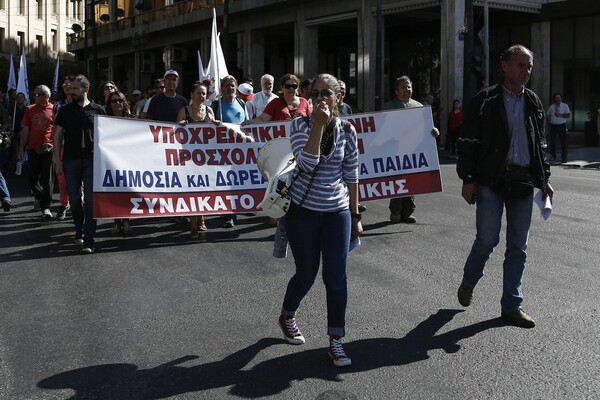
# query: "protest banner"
x,y
154,169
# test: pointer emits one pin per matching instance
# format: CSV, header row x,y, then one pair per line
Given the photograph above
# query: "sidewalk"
x,y
583,157
578,156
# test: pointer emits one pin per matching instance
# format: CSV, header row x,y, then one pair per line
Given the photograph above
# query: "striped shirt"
x,y
329,190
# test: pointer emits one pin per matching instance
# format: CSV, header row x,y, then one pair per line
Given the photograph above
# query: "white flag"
x,y
201,74
12,80
217,69
22,84
55,80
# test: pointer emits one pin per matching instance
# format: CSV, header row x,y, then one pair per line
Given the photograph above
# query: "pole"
x,y
94,74
468,86
378,56
485,60
225,33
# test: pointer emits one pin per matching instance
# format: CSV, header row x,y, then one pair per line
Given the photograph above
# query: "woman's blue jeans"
x,y
313,235
490,208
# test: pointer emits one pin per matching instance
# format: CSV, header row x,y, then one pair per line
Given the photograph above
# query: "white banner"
x,y
151,169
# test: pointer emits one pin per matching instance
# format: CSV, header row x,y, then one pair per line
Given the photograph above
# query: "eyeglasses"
x,y
325,93
108,87
115,101
39,94
290,86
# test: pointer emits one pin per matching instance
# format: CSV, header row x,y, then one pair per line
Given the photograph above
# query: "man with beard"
x,y
231,109
74,125
262,98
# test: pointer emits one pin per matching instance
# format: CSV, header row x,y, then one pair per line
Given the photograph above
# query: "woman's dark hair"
x,y
126,108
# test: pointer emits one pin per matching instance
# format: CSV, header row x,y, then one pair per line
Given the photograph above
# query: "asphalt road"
x,y
157,316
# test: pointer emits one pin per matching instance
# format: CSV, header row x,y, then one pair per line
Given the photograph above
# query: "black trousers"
x,y
560,132
41,177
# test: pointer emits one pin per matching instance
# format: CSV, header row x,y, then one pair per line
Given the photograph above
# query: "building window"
x,y
2,5
21,41
54,40
22,7
40,45
40,9
2,37
55,6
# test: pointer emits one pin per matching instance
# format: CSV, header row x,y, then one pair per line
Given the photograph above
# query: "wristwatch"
x,y
356,216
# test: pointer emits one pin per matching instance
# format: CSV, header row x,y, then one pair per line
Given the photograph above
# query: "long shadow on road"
x,y
126,381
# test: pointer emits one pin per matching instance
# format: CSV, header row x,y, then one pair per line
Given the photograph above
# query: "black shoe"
x,y
361,208
518,318
408,220
78,237
87,248
6,205
465,294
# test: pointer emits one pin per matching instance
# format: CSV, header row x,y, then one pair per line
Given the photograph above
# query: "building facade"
x,y
42,28
136,40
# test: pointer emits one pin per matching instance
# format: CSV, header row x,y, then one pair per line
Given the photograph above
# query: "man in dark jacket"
x,y
501,160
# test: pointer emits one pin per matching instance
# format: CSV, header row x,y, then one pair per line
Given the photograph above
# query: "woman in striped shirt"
x,y
324,212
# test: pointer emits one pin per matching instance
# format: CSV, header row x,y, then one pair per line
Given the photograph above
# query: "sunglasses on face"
x,y
115,101
290,86
325,93
109,87
39,94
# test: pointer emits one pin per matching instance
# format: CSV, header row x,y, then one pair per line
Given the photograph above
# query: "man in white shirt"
x,y
558,113
262,98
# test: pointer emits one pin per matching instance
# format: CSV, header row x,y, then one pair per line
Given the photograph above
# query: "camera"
x,y
6,138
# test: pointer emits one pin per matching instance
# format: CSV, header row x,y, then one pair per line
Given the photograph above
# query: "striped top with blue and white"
x,y
329,190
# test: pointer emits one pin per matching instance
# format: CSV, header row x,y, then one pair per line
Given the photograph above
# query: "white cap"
x,y
246,89
170,72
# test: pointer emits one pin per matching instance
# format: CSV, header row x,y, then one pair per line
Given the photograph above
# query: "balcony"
x,y
109,31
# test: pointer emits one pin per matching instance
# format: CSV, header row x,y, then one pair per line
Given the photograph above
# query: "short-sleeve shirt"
x,y
234,113
165,108
78,125
39,121
280,111
394,104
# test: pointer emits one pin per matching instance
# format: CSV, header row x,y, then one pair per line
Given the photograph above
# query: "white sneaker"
x,y
46,213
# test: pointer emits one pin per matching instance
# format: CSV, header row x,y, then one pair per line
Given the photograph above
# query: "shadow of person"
x,y
270,377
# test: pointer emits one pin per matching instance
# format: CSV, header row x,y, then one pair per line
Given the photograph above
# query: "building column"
x,y
540,45
306,39
452,56
365,96
255,55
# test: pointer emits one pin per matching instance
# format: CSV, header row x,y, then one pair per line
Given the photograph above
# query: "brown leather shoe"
x,y
518,318
465,294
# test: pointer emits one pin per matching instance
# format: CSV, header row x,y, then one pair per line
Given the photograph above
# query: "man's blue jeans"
x,y
78,172
490,207
4,193
313,234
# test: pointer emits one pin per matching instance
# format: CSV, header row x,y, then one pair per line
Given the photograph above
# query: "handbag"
x,y
515,182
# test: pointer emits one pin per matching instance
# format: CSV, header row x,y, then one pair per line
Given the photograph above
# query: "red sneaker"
x,y
290,330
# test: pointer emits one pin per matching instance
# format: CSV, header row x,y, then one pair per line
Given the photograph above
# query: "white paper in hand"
x,y
545,205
